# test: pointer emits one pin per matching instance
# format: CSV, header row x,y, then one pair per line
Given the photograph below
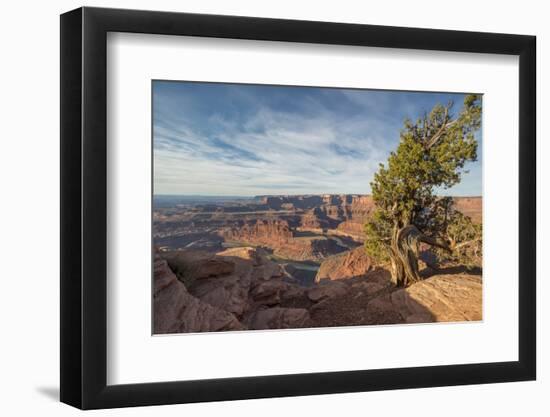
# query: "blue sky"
x,y
236,139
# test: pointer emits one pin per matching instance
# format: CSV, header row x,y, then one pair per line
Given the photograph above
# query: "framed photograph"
x,y
257,208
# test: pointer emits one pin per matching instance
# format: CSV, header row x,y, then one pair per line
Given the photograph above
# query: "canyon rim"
x,y
279,207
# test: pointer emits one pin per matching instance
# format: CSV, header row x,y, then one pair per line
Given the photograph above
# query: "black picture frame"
x,y
84,207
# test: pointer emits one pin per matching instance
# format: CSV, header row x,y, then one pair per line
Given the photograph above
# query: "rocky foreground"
x,y
240,289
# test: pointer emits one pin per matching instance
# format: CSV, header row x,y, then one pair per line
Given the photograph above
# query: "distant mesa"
x,y
271,221
285,242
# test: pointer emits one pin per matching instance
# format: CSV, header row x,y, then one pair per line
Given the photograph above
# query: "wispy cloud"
x,y
224,139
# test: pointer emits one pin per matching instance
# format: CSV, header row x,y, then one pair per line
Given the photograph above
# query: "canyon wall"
x,y
285,243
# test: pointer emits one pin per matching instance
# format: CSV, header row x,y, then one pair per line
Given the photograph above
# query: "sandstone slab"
x,y
328,290
278,318
269,292
349,264
441,298
177,311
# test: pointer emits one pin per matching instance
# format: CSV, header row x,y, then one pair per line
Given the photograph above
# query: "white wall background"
x,y
29,225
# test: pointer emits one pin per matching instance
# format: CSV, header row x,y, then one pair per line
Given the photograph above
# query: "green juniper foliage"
x,y
431,154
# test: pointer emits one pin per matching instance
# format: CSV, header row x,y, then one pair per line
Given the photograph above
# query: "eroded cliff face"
x,y
236,289
359,211
471,207
285,243
261,232
347,265
273,220
343,214
327,215
178,311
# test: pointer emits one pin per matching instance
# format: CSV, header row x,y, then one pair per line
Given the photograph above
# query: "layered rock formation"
x,y
277,235
470,206
302,249
346,265
271,218
261,232
317,220
344,213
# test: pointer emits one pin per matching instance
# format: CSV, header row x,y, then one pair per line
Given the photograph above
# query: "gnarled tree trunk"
x,y
404,254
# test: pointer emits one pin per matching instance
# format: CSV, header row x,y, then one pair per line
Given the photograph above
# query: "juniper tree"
x,y
431,155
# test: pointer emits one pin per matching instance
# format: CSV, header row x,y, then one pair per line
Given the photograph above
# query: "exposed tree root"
x,y
405,251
